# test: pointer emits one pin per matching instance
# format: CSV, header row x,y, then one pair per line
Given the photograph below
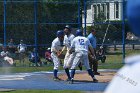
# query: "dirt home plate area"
x,y
44,80
104,77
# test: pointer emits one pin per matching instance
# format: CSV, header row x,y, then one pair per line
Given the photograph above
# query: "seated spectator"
x,y
49,58
48,55
11,48
34,58
5,57
101,55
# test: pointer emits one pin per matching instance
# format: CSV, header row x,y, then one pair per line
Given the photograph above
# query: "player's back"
x,y
80,43
68,40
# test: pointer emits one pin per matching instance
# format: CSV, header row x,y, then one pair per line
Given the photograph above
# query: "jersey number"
x,y
81,41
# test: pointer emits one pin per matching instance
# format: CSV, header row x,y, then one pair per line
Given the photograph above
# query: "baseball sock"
x,y
90,73
72,73
67,72
55,73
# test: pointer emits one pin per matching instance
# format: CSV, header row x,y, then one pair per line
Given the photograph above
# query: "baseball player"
x,y
80,45
56,48
68,57
127,79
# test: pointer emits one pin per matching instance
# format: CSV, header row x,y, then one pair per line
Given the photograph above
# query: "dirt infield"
x,y
104,77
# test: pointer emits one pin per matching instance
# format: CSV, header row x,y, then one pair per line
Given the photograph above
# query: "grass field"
x,y
113,61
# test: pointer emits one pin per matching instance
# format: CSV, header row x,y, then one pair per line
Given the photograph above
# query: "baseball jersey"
x,y
4,53
127,79
92,40
56,45
22,48
80,43
68,40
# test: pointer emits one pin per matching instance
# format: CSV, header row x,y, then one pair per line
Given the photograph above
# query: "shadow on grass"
x,y
85,81
114,53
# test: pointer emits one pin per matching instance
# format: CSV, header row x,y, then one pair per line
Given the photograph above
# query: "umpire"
x,y
92,61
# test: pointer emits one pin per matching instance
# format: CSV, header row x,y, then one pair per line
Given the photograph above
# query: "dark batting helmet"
x,y
79,32
68,27
60,33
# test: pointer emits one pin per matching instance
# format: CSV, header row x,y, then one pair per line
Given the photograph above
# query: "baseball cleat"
x,y
56,79
71,81
68,79
96,73
95,80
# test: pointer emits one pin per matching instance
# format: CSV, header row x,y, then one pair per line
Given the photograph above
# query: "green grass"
x,y
43,91
113,61
7,70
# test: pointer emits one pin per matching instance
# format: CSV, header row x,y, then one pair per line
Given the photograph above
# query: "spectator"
x,y
34,58
5,56
22,51
1,44
93,62
48,55
11,48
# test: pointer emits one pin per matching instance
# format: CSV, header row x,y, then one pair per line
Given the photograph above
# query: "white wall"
x,y
90,13
111,11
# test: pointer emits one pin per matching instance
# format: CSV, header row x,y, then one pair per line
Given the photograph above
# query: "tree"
x,y
114,32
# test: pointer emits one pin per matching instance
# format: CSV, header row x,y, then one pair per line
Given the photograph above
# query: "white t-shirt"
x,y
22,48
80,43
4,53
127,79
56,45
68,40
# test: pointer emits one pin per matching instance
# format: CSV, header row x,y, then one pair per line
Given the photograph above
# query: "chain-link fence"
x,y
36,22
106,17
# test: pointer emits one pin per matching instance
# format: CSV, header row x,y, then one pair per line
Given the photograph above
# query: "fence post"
x,y
115,46
85,16
4,23
123,30
133,46
35,30
79,15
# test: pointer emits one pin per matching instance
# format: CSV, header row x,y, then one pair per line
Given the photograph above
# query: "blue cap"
x,y
79,32
133,15
60,33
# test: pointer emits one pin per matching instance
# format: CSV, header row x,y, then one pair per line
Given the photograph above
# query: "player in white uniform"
x,y
56,51
127,79
80,45
68,57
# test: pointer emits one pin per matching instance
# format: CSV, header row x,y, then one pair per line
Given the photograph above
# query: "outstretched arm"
x,y
92,51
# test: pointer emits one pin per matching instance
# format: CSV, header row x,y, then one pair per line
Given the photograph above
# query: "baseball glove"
x,y
60,55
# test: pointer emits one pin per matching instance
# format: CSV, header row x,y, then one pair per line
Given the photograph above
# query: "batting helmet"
x,y
68,27
133,15
60,33
79,32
